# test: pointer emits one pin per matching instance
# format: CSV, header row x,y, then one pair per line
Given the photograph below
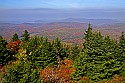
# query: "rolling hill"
x,y
67,31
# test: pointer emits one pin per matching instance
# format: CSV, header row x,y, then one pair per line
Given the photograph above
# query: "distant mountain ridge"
x,y
91,21
84,20
79,20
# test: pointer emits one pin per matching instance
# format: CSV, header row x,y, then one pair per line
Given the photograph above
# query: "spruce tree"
x,y
99,58
4,54
122,40
74,52
25,36
121,49
22,72
59,50
88,33
15,37
27,68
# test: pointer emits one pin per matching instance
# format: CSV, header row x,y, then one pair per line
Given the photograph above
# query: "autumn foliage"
x,y
117,79
14,46
61,74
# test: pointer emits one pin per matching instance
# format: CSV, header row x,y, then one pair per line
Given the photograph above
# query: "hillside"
x,y
66,28
66,31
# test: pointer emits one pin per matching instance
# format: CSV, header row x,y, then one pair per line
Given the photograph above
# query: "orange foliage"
x,y
60,74
85,79
14,46
48,74
2,69
117,79
65,69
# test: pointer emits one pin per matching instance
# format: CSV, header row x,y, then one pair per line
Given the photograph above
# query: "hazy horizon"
x,y
49,10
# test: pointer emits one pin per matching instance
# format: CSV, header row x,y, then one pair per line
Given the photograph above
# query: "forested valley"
x,y
35,59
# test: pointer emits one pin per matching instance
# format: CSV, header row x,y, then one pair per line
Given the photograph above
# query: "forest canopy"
x,y
38,60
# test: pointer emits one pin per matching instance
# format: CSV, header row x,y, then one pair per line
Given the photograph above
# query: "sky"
x,y
31,10
22,4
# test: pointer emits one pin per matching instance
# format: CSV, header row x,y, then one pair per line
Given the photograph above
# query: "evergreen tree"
x,y
15,37
121,49
59,50
74,52
99,57
39,52
122,40
22,72
32,44
27,68
42,56
25,36
88,33
4,54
